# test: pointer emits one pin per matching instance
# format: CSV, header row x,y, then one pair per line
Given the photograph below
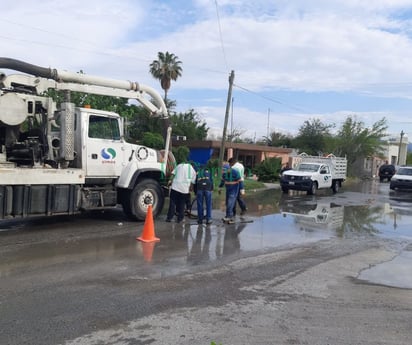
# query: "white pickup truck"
x,y
310,173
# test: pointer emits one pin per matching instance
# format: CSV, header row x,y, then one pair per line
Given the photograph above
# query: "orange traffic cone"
x,y
148,248
148,234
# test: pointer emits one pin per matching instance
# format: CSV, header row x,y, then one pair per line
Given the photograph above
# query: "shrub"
x,y
268,170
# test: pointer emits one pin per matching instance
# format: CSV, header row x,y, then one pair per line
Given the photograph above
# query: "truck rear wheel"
x,y
335,186
146,192
313,188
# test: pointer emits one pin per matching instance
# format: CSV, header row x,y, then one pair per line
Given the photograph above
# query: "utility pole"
x,y
267,130
400,144
231,122
222,145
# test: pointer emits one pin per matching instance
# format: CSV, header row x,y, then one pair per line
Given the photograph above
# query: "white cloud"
x,y
315,46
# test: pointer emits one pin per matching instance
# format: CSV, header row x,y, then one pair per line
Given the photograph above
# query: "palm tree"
x,y
166,69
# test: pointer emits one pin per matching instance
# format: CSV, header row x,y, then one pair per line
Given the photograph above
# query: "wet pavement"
x,y
274,220
299,269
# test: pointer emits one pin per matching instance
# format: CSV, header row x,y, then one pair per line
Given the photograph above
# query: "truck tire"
x,y
285,190
335,186
313,188
146,192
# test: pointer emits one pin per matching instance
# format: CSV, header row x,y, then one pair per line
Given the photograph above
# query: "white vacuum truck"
x,y
64,159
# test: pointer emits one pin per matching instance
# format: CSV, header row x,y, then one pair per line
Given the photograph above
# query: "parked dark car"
x,y
386,171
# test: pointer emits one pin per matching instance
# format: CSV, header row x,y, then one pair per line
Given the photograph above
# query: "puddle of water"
x,y
180,249
278,221
395,273
263,233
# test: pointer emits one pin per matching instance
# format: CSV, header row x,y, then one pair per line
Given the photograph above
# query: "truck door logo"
x,y
108,153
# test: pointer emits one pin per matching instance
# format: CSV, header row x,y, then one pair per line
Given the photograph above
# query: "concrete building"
x,y
395,150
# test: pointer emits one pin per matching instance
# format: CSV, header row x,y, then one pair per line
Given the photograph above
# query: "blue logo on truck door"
x,y
108,153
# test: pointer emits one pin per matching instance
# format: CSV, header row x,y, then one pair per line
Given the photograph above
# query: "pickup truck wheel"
x,y
313,188
285,190
146,192
335,186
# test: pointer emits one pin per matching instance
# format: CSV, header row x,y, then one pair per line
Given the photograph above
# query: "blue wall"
x,y
200,156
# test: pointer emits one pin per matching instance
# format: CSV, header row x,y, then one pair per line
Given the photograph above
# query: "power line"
x,y
220,35
55,33
273,100
96,52
134,57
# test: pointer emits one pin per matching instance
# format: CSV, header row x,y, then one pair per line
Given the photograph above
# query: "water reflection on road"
x,y
375,211
274,220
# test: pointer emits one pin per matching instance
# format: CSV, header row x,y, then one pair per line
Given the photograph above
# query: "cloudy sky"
x,y
294,60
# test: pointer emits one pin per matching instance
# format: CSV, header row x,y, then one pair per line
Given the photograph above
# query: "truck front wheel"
x,y
285,190
313,188
146,192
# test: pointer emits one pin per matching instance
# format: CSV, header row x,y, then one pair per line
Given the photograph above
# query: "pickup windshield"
x,y
404,171
308,167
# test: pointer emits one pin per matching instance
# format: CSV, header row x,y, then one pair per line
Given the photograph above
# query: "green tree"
x,y
153,140
190,125
409,158
166,68
277,139
109,103
142,122
357,142
312,137
181,154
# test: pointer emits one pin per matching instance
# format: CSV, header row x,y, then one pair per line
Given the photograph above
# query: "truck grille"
x,y
292,178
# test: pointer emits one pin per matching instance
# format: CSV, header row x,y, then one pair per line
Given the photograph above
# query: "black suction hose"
x,y
25,67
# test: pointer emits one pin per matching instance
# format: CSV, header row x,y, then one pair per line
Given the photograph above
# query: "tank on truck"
x,y
42,79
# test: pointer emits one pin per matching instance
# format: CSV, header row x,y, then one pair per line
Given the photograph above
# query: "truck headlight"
x,y
142,153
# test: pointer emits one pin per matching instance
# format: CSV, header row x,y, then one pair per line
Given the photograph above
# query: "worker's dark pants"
x,y
231,197
177,205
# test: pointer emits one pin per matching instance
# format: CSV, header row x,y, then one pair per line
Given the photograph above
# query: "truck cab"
x,y
307,177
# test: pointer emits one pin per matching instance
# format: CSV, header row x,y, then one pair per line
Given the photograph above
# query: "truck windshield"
x,y
308,167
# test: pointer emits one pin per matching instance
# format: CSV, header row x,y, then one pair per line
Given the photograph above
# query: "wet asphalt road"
x,y
324,269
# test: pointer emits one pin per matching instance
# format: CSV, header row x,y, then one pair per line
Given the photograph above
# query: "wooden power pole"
x,y
222,145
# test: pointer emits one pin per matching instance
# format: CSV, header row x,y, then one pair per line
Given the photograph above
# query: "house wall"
x,y
283,156
249,154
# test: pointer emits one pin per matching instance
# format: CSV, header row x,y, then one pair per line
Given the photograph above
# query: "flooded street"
x,y
84,278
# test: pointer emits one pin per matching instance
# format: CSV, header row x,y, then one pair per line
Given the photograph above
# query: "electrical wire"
x,y
221,36
270,99
55,33
72,48
273,100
